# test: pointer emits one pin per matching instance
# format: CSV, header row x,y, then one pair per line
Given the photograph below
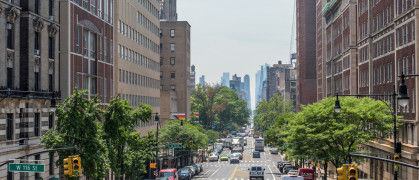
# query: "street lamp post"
x,y
157,119
402,98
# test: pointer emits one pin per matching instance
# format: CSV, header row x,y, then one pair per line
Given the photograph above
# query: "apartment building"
x,y
175,62
365,45
137,66
306,52
87,48
29,32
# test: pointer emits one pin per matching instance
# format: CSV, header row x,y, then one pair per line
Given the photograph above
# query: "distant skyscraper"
x,y
247,90
225,80
202,80
168,10
193,77
261,81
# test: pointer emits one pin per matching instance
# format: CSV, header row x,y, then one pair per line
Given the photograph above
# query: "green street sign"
x,y
175,145
211,142
27,167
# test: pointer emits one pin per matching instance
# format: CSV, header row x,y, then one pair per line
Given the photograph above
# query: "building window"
x,y
173,87
51,47
85,40
93,86
85,4
51,83
99,8
172,47
36,124
161,33
111,51
77,39
85,82
9,36
36,6
111,11
172,33
413,64
172,75
51,8
9,127
51,121
36,41
172,61
92,45
10,78
36,81
51,164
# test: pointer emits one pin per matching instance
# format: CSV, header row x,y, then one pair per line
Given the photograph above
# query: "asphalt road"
x,y
223,170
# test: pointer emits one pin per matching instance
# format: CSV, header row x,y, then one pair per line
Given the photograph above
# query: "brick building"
x,y
306,52
175,62
365,45
28,81
86,48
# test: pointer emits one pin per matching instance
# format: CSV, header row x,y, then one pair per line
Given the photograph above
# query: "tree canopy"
x,y
219,106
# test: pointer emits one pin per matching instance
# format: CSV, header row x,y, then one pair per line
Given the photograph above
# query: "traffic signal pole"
x,y
395,126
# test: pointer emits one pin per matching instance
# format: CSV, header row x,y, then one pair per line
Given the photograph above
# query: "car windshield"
x,y
224,156
256,152
256,168
213,155
184,171
234,155
166,174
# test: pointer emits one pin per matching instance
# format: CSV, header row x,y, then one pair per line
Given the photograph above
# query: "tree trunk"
x,y
325,171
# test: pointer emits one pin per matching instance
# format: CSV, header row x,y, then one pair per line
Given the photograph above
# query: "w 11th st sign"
x,y
27,167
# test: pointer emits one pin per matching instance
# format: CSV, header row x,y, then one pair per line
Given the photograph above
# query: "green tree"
x,y
138,154
320,133
172,133
79,125
219,106
120,121
267,112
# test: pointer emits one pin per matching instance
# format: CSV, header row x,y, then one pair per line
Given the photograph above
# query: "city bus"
x,y
259,145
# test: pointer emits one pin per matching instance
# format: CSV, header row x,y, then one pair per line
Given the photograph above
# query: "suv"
x,y
256,172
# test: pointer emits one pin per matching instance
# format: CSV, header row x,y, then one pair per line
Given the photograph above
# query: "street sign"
x,y
213,126
211,142
27,167
175,145
153,165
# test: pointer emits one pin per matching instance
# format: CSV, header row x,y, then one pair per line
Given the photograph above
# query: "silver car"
x,y
234,158
274,150
213,157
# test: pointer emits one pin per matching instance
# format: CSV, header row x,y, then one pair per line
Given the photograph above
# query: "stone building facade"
x,y
137,69
29,77
175,62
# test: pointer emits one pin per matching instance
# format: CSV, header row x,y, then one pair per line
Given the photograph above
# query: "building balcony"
x,y
24,94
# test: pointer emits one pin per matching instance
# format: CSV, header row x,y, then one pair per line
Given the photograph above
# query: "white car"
x,y
293,172
288,177
213,157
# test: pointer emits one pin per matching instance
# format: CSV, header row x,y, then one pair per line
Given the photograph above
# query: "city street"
x,y
223,170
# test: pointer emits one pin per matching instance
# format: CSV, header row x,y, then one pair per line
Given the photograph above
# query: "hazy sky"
x,y
237,36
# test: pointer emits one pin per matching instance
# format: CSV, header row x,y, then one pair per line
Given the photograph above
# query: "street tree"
x,y
320,133
79,125
267,112
139,152
120,120
172,133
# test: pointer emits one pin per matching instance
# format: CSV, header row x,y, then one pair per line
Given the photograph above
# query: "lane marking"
x,y
269,167
234,172
214,172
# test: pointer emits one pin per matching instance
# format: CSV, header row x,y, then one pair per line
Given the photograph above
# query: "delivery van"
x,y
307,173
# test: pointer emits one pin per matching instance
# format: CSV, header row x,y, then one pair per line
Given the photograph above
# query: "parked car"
x,y
185,173
197,170
256,154
219,149
234,158
170,174
293,172
307,173
256,172
213,157
287,168
192,169
224,158
288,177
229,136
273,150
282,165
200,167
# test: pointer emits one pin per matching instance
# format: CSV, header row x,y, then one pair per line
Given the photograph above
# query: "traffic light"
x,y
396,165
342,173
191,142
76,166
68,166
353,172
